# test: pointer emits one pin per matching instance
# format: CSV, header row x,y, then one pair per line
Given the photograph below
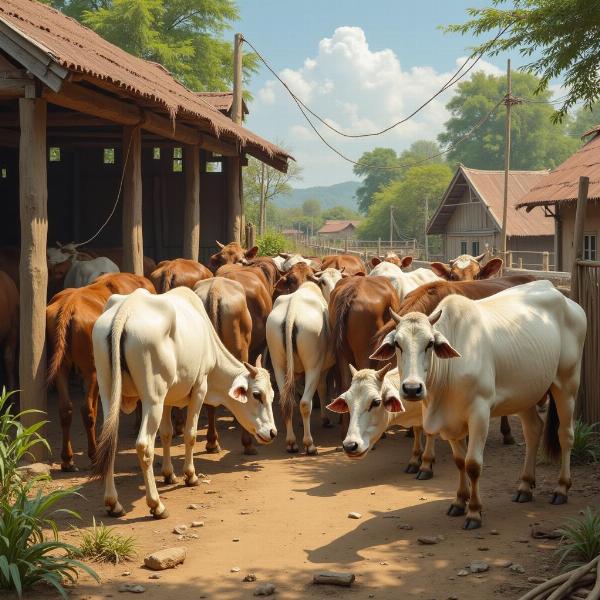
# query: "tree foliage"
x,y
185,36
537,142
564,34
585,119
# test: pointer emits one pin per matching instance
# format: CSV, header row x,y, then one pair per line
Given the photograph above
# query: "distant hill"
x,y
339,194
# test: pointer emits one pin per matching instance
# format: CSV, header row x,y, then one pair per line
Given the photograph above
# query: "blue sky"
x,y
362,64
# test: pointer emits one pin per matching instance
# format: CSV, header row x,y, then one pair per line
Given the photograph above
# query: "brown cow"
x,y
467,268
426,297
293,279
350,263
180,272
225,303
70,318
230,254
400,261
269,267
9,327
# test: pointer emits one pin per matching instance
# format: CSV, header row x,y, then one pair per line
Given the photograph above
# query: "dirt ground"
x,y
285,517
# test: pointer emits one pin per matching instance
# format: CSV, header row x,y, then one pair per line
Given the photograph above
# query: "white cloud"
x,y
357,90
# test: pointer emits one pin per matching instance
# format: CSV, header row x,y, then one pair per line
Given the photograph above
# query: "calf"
x,y
471,360
349,263
298,341
178,272
9,328
373,404
403,283
70,317
225,304
467,268
164,350
231,253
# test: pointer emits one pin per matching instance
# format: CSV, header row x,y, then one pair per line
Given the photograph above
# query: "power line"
x,y
456,77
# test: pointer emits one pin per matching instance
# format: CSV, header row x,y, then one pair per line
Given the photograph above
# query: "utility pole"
x,y
236,107
391,226
235,208
262,209
426,221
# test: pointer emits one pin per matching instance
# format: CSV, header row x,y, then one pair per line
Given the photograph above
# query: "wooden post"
x,y
545,261
33,270
509,259
378,247
250,235
236,107
508,102
191,217
582,197
346,244
133,242
234,204
520,262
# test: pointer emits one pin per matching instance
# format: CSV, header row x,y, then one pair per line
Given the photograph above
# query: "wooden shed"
x,y
469,217
88,132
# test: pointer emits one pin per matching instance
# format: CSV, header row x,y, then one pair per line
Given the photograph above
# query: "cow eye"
x,y
375,403
257,396
429,345
398,346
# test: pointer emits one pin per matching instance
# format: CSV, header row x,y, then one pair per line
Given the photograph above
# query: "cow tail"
x,y
343,303
212,309
107,443
62,326
552,446
288,394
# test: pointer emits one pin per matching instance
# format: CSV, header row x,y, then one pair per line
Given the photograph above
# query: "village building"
x,y
338,229
469,218
557,194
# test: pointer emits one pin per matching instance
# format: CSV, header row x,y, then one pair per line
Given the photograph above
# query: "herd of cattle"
x,y
438,350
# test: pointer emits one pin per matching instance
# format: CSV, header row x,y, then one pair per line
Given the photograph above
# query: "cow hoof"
x,y
456,511
170,479
115,513
292,448
423,475
312,451
522,496
163,515
411,468
508,440
213,449
250,451
471,523
192,481
558,499
69,468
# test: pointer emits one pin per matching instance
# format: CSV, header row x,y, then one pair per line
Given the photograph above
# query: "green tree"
x,y
340,213
418,151
537,142
585,119
382,159
185,36
407,197
564,34
311,207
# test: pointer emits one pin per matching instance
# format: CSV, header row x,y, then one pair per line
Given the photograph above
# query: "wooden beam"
x,y
191,217
582,197
133,243
33,271
234,200
70,119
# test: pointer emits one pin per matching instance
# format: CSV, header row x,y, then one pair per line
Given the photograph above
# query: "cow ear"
x,y
285,255
339,406
406,262
251,252
386,349
392,403
359,274
239,389
490,268
442,347
441,270
375,261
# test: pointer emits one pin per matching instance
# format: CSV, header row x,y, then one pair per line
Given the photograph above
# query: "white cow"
x,y
164,350
298,341
402,281
374,406
292,259
279,262
84,272
327,280
512,349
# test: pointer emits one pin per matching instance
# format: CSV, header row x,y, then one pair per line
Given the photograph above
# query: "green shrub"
x,y
586,444
580,542
103,544
271,244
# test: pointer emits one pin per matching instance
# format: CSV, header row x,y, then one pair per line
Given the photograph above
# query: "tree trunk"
x,y
133,242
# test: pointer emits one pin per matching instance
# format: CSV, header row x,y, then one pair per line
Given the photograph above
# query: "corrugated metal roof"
x,y
488,186
80,50
562,183
335,226
221,100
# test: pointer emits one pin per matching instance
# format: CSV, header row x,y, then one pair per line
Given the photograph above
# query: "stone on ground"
x,y
165,559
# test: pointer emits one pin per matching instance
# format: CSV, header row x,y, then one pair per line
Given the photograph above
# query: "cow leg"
x,y
322,391
478,431
507,436
151,417
248,443
89,413
311,380
532,431
166,438
65,409
290,436
457,508
565,407
179,420
417,450
191,427
428,458
212,435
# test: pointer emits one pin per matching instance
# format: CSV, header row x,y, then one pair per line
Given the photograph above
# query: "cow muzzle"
x,y
412,390
352,449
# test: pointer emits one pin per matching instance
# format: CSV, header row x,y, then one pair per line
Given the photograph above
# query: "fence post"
x,y
520,262
582,197
250,235
545,261
378,246
346,244
509,258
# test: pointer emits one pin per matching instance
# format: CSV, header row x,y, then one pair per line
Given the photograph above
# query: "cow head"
x,y
293,279
327,280
369,401
400,261
414,341
252,405
467,268
230,254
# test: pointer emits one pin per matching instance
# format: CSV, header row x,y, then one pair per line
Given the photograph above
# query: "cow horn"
x,y
251,369
434,317
480,257
342,269
353,370
313,278
381,373
395,316
219,244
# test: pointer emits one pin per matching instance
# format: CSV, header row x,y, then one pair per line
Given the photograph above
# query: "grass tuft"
x,y
580,542
586,444
104,544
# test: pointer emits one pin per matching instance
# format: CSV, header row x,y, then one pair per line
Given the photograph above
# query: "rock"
x,y
35,469
165,559
494,532
372,492
483,548
384,563
504,564
125,573
452,598
462,573
478,566
234,570
154,576
250,577
428,540
405,526
516,568
265,589
354,515
197,523
537,580
539,533
246,476
193,506
179,529
133,588
333,578
235,539
523,540
244,512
